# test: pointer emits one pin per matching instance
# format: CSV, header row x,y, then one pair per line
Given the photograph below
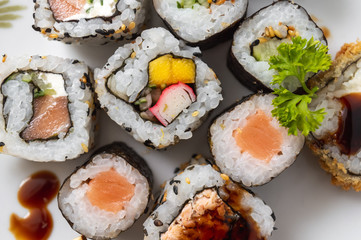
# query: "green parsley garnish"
x,y
179,5
297,59
101,2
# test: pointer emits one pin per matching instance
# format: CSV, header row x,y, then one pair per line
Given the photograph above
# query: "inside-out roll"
x,y
89,21
47,108
249,145
202,203
202,23
258,37
108,193
157,89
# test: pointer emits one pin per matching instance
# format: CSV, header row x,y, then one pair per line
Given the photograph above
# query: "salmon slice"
x,y
110,191
50,118
63,9
258,137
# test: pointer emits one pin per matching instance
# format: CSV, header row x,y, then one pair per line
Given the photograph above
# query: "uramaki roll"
x,y
248,143
202,203
258,37
157,89
93,21
47,108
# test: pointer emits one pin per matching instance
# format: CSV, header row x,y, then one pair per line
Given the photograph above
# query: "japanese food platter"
x,y
144,89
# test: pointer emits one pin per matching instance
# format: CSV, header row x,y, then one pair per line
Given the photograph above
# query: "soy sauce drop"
x,y
34,194
348,135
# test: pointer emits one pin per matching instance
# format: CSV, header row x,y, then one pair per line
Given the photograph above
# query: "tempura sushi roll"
x,y
157,89
258,37
202,203
202,23
95,21
338,140
108,193
249,145
47,108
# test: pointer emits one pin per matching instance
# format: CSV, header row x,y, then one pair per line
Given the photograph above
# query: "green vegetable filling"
x,y
297,59
191,3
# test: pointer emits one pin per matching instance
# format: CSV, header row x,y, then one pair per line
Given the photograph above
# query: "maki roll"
x,y
338,140
96,21
108,193
202,23
157,89
202,203
47,108
249,145
258,37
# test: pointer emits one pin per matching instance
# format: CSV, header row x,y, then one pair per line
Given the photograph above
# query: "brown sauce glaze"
x,y
245,228
35,193
326,32
348,135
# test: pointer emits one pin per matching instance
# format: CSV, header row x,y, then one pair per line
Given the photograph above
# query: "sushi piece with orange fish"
x,y
95,21
202,203
249,145
108,193
47,108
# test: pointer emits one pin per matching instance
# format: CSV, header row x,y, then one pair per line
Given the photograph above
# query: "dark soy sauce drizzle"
x,y
245,228
348,135
34,194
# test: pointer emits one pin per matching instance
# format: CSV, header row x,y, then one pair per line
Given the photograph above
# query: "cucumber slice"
x,y
188,3
263,51
203,3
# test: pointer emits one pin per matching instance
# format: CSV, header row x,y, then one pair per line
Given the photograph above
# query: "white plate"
x,y
306,205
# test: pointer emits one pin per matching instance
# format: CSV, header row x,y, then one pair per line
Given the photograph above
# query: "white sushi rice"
x,y
201,177
242,166
92,221
252,28
199,23
133,77
328,98
19,110
130,15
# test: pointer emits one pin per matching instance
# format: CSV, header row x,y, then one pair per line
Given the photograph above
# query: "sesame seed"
x,y
133,55
131,26
195,113
175,189
85,147
53,35
158,223
187,180
123,27
224,177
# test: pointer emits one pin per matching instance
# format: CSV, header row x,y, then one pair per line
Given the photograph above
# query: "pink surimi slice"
x,y
173,100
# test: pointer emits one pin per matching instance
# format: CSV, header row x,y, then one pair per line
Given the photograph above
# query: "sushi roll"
x,y
258,37
47,108
95,21
108,193
157,89
249,145
202,203
202,23
337,141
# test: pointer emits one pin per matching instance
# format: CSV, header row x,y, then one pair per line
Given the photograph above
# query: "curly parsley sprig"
x,y
297,59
